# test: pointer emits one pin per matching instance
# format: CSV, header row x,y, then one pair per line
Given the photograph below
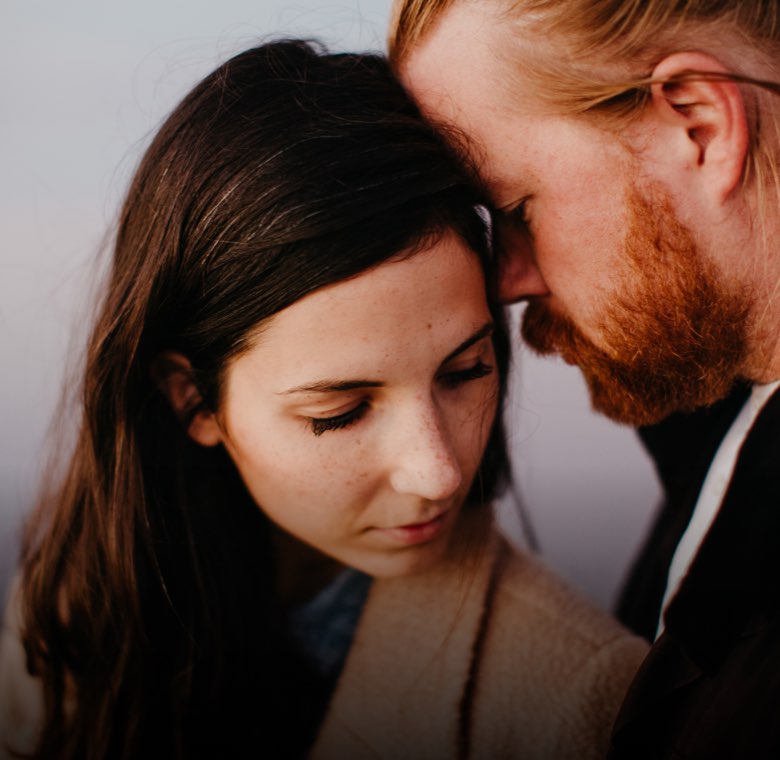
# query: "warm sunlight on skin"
x,y
359,418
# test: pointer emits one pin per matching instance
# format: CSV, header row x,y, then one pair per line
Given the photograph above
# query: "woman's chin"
x,y
402,560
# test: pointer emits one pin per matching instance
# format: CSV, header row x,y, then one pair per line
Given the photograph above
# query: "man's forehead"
x,y
454,120
460,81
479,143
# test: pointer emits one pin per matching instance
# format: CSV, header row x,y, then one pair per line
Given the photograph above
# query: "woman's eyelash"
x,y
454,379
320,425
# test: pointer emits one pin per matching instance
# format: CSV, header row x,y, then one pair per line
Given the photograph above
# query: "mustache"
x,y
548,333
640,384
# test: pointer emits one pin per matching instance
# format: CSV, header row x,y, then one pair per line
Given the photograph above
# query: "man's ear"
x,y
707,116
172,373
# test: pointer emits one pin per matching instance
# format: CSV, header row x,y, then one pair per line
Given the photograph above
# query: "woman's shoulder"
x,y
529,592
21,694
553,668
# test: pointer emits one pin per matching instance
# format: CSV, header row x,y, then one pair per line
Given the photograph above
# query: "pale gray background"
x,y
83,84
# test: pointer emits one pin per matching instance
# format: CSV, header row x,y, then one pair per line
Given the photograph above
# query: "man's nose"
x,y
518,275
423,461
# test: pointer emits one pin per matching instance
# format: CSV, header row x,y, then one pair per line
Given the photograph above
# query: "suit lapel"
x,y
682,448
401,690
733,586
734,581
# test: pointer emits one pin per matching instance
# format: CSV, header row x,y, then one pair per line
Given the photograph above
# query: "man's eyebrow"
x,y
483,332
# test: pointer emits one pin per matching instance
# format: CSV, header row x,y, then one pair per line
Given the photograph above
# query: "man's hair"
x,y
597,56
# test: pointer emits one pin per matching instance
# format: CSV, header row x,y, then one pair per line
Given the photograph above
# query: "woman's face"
x,y
359,417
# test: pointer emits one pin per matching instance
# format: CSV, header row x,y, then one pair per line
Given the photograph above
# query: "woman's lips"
x,y
418,533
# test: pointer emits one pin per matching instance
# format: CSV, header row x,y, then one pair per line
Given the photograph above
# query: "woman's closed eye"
x,y
320,425
454,378
449,379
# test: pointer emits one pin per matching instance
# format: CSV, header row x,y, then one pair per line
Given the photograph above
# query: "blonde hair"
x,y
604,52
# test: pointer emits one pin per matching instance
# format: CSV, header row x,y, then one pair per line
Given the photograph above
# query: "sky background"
x,y
84,84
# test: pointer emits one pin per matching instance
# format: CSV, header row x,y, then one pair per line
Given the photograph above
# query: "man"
x,y
631,152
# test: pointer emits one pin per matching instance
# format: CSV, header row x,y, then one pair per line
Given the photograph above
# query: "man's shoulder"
x,y
682,705
709,687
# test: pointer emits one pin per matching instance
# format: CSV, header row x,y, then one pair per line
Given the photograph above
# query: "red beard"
x,y
674,335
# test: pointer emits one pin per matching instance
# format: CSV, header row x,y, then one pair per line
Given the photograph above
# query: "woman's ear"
x,y
707,117
172,373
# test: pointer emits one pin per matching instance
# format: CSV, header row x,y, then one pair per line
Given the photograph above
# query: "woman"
x,y
296,370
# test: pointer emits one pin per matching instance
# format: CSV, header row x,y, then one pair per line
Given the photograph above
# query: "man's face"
x,y
615,282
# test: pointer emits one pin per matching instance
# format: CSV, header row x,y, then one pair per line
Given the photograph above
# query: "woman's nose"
x,y
423,460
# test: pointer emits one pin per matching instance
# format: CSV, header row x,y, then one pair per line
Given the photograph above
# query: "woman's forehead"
x,y
415,309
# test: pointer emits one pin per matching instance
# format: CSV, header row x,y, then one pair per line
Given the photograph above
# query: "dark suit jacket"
x,y
710,687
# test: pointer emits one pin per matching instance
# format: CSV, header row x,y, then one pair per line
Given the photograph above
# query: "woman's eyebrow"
x,y
483,332
332,386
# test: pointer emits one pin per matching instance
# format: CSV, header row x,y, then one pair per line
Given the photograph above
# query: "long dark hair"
x,y
148,595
